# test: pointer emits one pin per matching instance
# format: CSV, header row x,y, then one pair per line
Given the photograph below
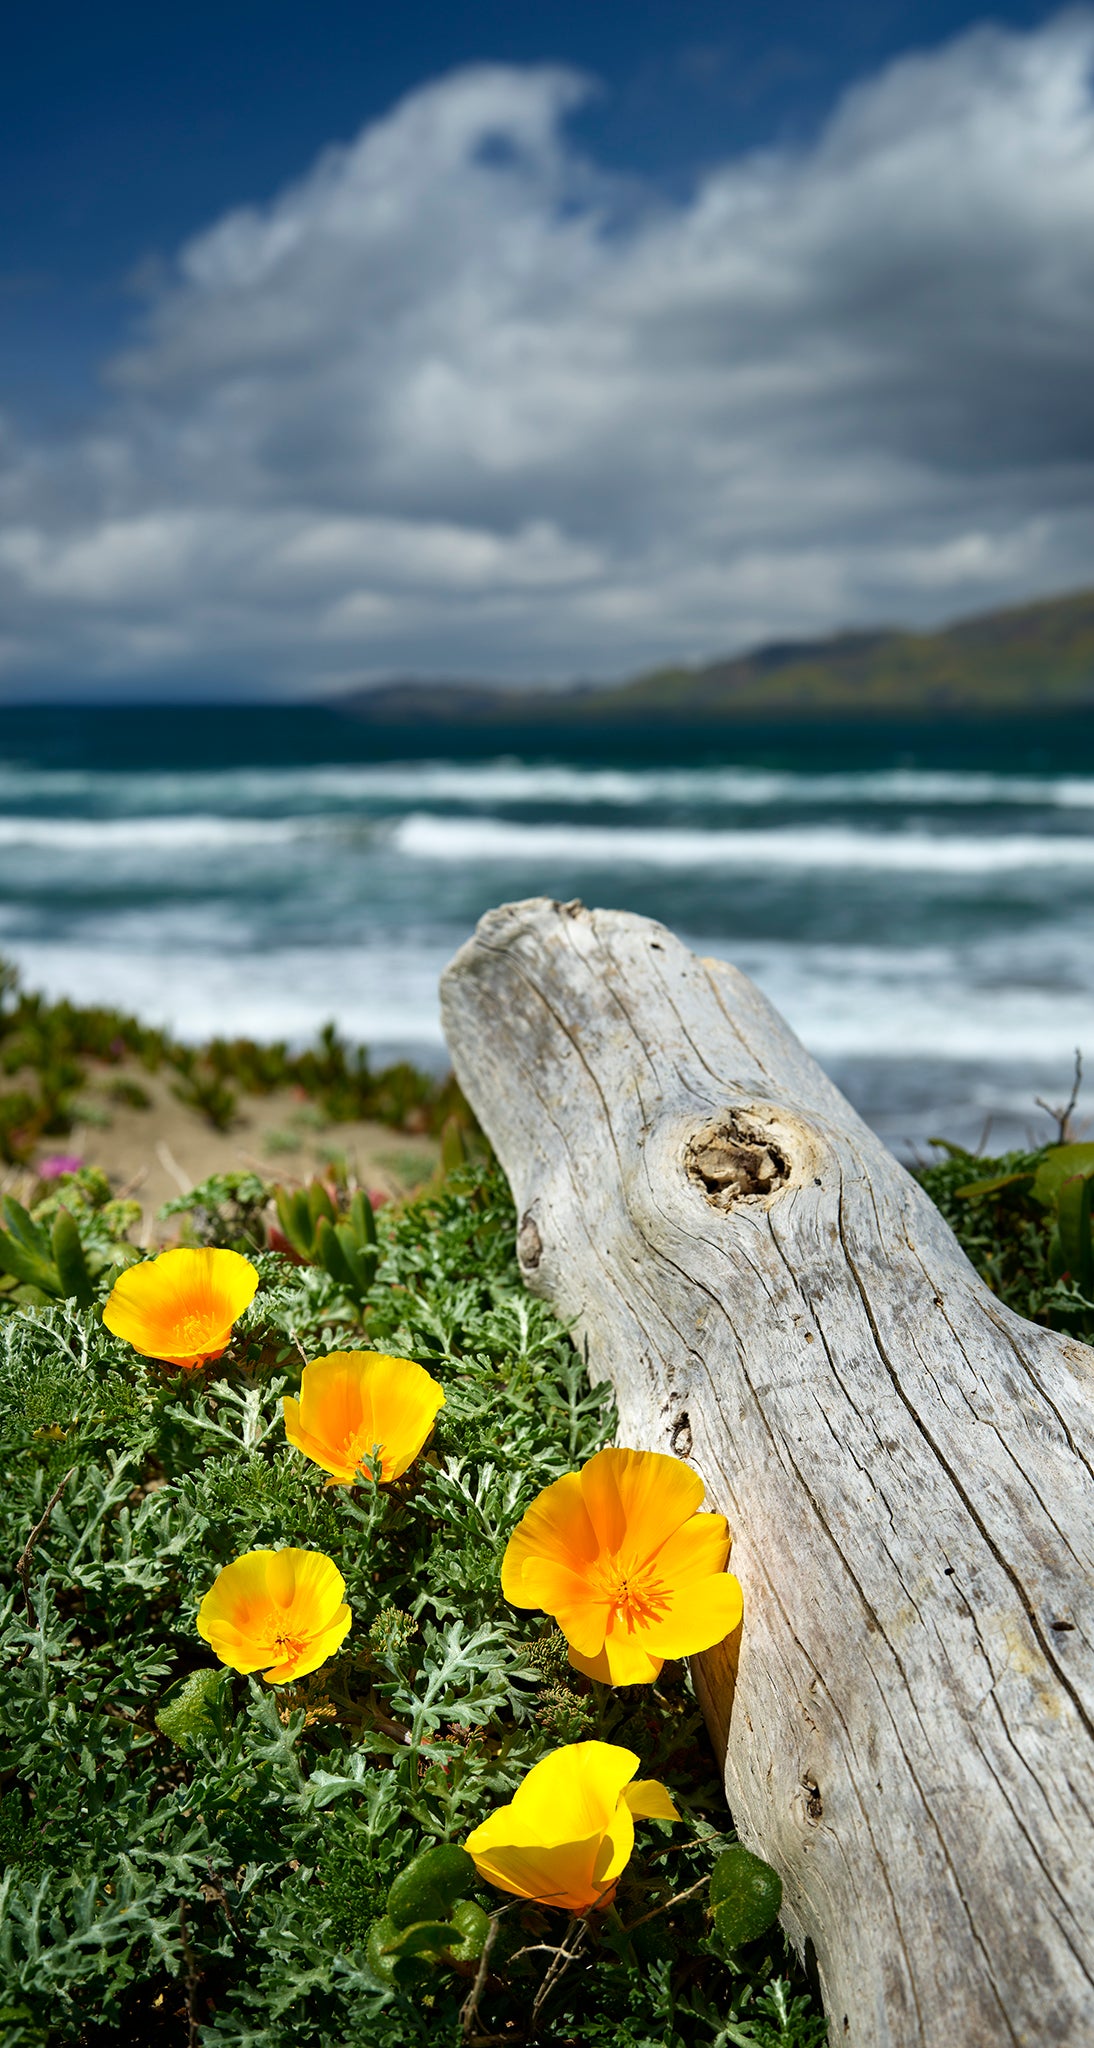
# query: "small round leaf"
x,y
188,1710
472,1925
429,1886
745,1896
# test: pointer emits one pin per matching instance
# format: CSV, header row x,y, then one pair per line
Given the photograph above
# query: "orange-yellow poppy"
x,y
353,1402
629,1569
569,1830
280,1612
180,1307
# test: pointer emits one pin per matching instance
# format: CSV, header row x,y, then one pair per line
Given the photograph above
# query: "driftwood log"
x,y
908,1716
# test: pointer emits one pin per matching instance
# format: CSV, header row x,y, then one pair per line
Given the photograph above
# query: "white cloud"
x,y
458,402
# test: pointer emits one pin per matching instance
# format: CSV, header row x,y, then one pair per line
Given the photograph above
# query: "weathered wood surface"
x,y
907,1466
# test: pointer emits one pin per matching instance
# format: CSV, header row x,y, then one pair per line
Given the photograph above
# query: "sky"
x,y
531,342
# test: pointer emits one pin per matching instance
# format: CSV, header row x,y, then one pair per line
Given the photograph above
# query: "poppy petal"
x,y
278,1611
330,1399
624,1660
352,1402
596,1666
555,1876
569,1829
640,1497
648,1800
697,1616
617,1846
582,1614
697,1551
181,1305
317,1583
574,1790
557,1527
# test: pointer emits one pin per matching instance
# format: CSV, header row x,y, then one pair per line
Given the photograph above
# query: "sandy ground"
x,y
156,1153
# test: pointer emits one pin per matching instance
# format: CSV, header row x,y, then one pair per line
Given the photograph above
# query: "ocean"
x,y
918,902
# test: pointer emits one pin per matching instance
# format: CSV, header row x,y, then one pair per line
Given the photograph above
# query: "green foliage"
x,y
195,1856
430,1919
745,1896
345,1245
69,1247
300,1212
1024,1219
47,1266
128,1094
19,1126
45,1049
337,1080
1035,660
1063,1184
227,1209
202,1088
190,1709
46,1046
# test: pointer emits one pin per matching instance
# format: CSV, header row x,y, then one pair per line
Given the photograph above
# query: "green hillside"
x,y
1039,657
1035,658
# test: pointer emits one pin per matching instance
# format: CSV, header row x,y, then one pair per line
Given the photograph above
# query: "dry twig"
x,y
666,1905
564,1955
193,1978
469,2010
22,1569
1063,1112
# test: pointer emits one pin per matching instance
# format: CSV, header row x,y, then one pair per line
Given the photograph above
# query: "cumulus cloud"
x,y
459,402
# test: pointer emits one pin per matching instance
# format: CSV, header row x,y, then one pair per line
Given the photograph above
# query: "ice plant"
x,y
354,1402
280,1612
629,1569
180,1307
569,1830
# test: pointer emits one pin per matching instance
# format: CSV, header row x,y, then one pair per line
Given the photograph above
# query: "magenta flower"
x,y
58,1163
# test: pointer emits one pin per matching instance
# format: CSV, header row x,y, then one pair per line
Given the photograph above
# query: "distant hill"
x,y
1035,658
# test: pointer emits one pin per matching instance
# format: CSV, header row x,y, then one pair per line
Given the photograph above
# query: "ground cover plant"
x,y
1023,1219
195,1855
47,1050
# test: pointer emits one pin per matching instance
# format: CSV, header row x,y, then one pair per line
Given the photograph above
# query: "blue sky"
x,y
530,341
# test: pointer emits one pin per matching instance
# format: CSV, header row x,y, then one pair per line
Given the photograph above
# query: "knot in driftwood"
x,y
529,1243
737,1159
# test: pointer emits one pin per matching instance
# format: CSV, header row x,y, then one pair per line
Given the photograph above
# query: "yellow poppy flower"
x,y
353,1401
629,1569
280,1612
569,1830
180,1307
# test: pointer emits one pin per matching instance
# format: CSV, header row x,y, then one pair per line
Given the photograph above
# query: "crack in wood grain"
x,y
967,1502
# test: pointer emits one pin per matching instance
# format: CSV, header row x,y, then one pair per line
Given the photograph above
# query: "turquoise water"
x,y
919,905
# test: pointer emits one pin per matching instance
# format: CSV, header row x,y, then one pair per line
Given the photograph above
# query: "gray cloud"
x,y
458,402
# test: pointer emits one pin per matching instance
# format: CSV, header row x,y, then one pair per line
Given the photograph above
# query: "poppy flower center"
x,y
632,1590
359,1446
288,1645
193,1331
